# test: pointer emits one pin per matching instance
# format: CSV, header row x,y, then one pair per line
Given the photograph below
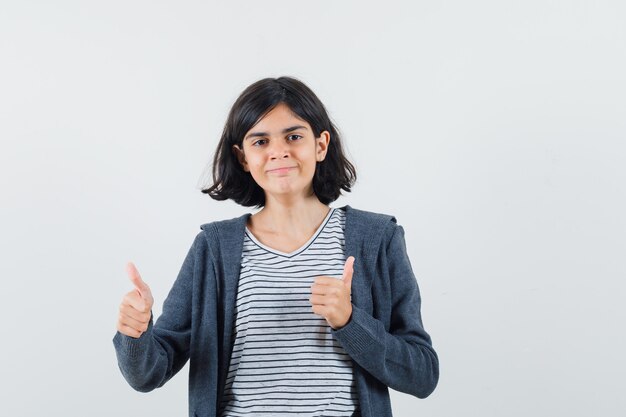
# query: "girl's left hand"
x,y
331,297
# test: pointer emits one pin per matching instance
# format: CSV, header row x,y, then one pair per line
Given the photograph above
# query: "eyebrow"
x,y
287,130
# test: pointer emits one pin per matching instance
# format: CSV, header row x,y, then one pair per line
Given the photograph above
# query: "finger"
x,y
334,288
317,299
128,331
348,270
141,316
132,323
324,300
134,300
314,299
320,310
135,278
329,281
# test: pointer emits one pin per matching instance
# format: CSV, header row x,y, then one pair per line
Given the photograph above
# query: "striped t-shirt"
x,y
285,361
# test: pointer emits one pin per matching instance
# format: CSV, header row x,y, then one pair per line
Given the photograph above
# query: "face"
x,y
281,153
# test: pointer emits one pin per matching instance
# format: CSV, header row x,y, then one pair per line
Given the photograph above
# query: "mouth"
x,y
280,170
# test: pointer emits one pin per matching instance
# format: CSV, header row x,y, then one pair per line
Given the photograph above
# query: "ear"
x,y
241,157
321,145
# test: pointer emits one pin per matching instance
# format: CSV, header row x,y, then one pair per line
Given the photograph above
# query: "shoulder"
x,y
227,231
369,219
377,228
225,224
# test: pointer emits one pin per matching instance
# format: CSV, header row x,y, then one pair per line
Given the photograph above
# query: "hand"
x,y
331,297
136,306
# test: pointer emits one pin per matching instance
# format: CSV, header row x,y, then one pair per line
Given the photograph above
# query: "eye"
x,y
257,142
297,136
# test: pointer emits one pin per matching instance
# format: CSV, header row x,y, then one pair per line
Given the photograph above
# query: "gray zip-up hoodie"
x,y
385,337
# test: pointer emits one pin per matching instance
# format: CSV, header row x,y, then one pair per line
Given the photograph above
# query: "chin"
x,y
287,191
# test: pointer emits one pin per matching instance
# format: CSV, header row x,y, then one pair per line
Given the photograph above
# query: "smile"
x,y
280,170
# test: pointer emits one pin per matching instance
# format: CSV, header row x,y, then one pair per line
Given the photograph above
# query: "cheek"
x,y
256,171
254,162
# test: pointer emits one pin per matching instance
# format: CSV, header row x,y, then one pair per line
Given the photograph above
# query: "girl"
x,y
299,308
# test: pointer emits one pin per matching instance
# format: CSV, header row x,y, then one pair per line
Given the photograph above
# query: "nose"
x,y
278,149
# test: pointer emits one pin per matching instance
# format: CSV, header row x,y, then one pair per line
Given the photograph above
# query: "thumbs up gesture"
x,y
136,306
330,297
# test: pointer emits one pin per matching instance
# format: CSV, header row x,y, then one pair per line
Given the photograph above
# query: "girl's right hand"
x,y
136,306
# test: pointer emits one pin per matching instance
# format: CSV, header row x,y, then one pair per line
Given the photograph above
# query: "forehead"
x,y
277,118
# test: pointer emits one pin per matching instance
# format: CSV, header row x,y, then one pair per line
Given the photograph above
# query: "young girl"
x,y
298,309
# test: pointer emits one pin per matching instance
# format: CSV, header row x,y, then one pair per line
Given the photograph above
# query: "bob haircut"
x,y
230,181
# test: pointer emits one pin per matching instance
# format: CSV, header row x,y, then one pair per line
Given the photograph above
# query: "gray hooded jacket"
x,y
385,337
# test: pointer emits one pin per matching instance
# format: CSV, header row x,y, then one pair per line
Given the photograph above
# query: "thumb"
x,y
135,278
348,269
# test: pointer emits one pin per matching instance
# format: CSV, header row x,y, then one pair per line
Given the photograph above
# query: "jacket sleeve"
x,y
403,357
162,350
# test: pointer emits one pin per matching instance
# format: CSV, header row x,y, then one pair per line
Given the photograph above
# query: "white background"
x,y
493,131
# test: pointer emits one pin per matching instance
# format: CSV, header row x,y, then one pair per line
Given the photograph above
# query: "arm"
x,y
162,350
403,357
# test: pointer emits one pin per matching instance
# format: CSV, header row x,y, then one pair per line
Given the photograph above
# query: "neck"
x,y
295,215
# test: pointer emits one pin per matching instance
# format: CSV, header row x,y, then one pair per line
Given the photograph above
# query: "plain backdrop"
x,y
494,132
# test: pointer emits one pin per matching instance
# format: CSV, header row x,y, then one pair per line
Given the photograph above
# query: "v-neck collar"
x,y
301,248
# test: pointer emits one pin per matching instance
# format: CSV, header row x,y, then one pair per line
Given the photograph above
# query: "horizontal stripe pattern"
x,y
285,361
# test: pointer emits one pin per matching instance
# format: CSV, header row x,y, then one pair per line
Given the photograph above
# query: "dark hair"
x,y
230,181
